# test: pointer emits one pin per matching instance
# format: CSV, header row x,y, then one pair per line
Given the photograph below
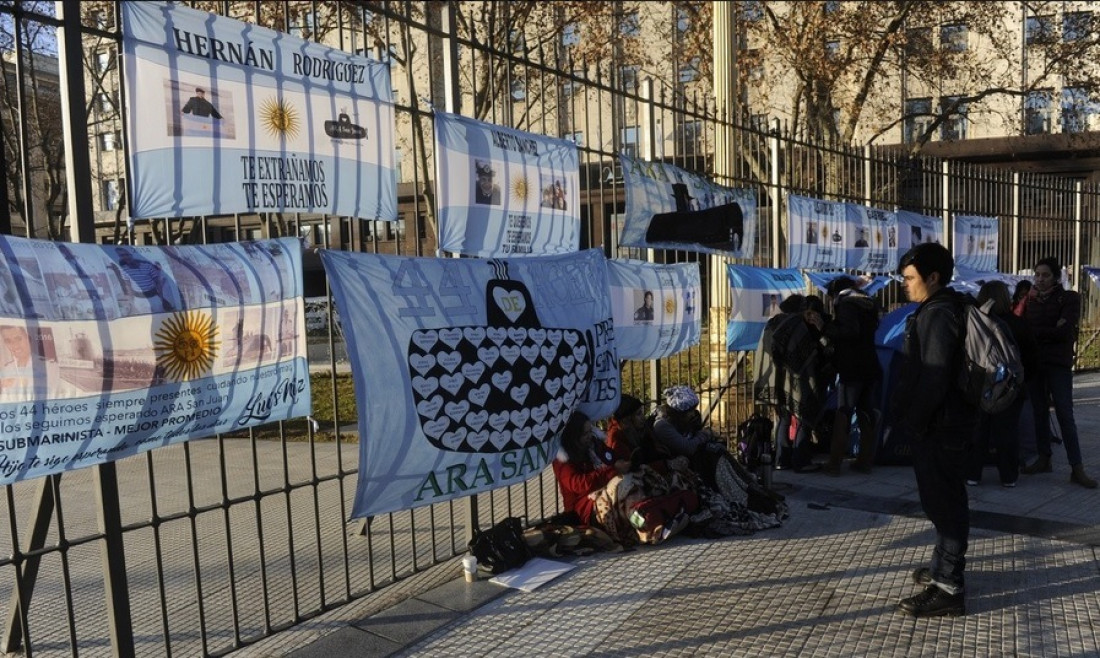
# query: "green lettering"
x,y
431,484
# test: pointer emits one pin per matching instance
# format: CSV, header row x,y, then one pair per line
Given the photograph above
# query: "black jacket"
x,y
852,333
928,404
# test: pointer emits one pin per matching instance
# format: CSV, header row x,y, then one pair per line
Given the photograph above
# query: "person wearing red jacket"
x,y
584,466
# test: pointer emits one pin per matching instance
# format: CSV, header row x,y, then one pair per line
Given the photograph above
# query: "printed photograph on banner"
x,y
10,305
196,109
28,362
71,284
145,283
486,188
553,192
643,303
34,283
769,305
248,339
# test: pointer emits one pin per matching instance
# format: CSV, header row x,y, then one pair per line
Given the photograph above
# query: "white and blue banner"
x,y
871,239
505,192
110,351
655,307
974,242
914,229
466,370
228,117
868,284
670,208
816,234
1093,273
756,293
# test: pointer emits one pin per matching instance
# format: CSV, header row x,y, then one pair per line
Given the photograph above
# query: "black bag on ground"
x,y
501,547
754,442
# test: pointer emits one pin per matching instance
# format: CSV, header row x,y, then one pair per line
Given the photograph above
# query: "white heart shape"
x,y
474,334
552,386
554,406
477,419
477,439
538,374
451,383
537,335
436,428
554,336
488,355
581,371
473,371
510,353
519,417
500,439
497,334
502,379
453,440
519,393
425,386
425,339
430,408
452,336
479,395
510,302
571,337
456,410
580,351
556,422
449,360
566,363
522,435
569,398
517,334
538,413
530,353
422,363
498,421
569,382
548,353
541,430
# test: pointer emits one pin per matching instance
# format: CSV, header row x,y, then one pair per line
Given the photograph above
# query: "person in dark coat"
x,y
199,106
938,422
1002,429
1053,313
852,335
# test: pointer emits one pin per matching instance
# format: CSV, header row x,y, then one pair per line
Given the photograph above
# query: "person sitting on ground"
x,y
1003,428
626,427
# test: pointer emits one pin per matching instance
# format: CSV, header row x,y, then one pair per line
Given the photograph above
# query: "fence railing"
x,y
206,547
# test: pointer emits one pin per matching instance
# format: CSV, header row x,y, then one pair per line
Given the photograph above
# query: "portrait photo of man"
x,y
486,191
198,106
861,238
24,374
644,313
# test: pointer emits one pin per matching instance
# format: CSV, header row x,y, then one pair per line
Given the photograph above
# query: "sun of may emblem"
x,y
520,189
670,305
186,345
279,118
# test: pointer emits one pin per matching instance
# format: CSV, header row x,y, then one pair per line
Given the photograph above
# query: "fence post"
x,y
1077,228
82,229
867,187
1016,204
945,211
773,184
648,119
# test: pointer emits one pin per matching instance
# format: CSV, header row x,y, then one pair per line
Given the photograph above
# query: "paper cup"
x,y
469,568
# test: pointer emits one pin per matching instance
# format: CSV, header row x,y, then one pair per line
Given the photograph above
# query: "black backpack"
x,y
501,547
754,442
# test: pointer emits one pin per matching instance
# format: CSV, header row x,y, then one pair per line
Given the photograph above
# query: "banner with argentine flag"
x,y
817,232
656,307
110,351
466,369
229,117
915,228
872,239
756,293
868,284
974,242
505,192
670,208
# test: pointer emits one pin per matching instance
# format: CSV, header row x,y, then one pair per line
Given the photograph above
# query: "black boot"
x,y
1040,465
934,602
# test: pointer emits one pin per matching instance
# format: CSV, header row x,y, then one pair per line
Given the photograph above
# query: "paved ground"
x,y
825,584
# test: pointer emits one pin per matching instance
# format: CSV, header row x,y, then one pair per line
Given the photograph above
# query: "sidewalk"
x,y
825,584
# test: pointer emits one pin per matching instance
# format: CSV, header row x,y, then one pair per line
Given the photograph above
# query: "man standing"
x,y
939,423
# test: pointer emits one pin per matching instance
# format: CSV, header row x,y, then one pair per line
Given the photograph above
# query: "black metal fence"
x,y
209,546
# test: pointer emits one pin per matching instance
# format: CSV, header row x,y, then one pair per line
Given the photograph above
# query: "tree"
x,y
837,68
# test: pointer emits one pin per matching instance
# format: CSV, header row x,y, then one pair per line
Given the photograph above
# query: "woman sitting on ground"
x,y
630,437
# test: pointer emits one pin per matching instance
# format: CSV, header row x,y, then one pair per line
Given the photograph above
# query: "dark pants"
x,y
796,454
1054,383
1002,431
941,482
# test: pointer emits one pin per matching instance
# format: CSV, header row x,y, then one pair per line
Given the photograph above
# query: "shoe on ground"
x,y
973,483
922,576
1078,476
1040,465
934,602
1009,485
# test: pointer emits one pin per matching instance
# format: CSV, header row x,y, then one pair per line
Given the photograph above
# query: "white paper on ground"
x,y
532,575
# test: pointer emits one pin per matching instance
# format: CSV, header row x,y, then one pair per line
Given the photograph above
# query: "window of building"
x,y
629,76
104,61
689,71
755,71
519,89
832,49
1037,112
918,116
1039,29
629,146
954,126
955,37
110,194
108,141
1078,109
752,11
832,6
577,138
1076,25
103,19
570,35
683,21
103,102
631,25
918,41
691,138
517,41
570,86
398,160
759,121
